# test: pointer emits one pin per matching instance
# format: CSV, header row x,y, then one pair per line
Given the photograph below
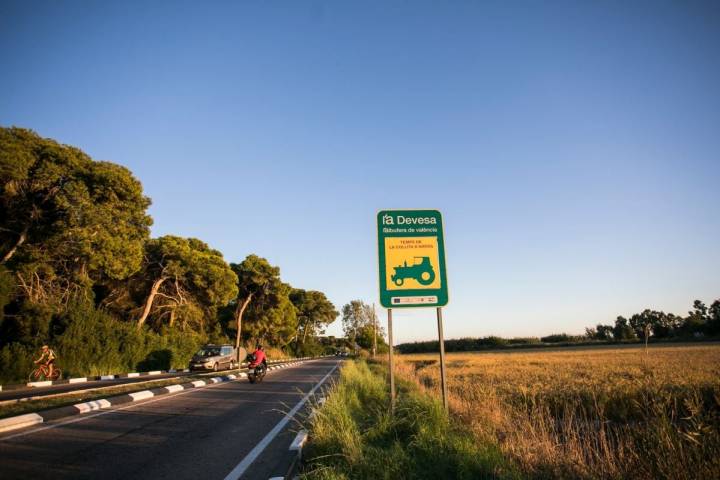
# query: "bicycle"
x,y
41,373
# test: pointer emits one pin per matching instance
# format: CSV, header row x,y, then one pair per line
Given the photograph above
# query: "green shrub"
x,y
16,362
89,342
311,349
7,288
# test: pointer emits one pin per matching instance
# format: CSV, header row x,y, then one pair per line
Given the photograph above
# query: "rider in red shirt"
x,y
259,357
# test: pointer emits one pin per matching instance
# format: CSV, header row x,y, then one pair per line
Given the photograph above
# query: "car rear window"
x,y
208,352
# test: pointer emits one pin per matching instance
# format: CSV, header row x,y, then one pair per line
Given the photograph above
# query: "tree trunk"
x,y
238,316
149,302
305,332
21,239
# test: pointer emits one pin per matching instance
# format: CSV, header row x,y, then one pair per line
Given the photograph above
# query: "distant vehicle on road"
x,y
214,357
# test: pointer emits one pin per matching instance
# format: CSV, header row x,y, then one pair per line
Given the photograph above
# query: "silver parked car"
x,y
214,357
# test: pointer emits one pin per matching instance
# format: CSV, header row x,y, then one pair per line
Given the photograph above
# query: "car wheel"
x,y
215,367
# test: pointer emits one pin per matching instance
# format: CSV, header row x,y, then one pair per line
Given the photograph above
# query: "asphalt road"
x,y
204,433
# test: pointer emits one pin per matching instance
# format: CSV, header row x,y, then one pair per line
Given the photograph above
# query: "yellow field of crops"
x,y
589,412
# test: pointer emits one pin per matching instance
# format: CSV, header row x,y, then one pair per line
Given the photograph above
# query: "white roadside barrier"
x,y
19,421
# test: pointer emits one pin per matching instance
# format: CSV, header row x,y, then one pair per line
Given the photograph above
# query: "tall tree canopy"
x,y
78,269
66,221
314,312
272,320
357,316
260,287
184,276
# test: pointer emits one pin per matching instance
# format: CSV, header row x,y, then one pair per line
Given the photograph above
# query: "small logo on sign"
x,y
388,220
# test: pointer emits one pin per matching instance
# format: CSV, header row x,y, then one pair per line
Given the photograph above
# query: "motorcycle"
x,y
257,373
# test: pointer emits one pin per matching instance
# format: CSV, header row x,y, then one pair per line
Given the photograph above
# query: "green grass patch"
x,y
354,436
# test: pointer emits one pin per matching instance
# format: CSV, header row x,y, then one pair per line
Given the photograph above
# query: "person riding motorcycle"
x,y
257,365
258,357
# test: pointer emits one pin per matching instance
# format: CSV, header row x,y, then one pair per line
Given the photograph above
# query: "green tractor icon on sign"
x,y
422,271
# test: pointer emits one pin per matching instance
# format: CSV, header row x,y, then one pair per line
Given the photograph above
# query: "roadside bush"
x,y
523,341
561,338
309,349
7,288
16,362
88,341
173,348
96,343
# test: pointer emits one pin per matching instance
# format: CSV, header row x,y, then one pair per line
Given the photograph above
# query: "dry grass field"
x,y
589,413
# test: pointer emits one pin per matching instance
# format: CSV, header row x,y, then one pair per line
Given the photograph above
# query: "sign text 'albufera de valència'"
x,y
411,254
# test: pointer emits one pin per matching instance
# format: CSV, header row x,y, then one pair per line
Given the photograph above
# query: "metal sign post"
x,y
411,261
442,358
374,332
392,363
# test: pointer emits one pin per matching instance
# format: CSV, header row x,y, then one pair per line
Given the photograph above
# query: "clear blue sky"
x,y
573,147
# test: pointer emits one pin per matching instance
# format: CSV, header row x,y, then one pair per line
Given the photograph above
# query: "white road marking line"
x,y
241,467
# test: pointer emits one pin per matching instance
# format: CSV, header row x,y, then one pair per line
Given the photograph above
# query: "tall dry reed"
x,y
589,413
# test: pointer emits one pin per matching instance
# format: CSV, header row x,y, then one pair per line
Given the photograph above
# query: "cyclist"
x,y
47,358
259,357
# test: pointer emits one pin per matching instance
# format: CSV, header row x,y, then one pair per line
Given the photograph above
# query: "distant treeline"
x,y
702,322
79,271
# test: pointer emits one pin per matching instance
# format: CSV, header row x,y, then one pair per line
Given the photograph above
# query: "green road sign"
x,y
411,254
